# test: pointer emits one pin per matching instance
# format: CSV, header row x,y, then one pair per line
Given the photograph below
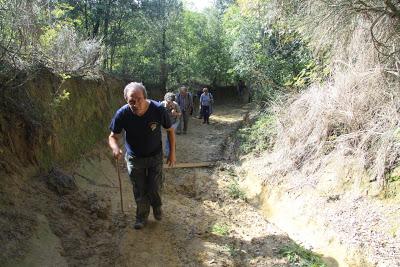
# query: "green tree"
x,y
267,52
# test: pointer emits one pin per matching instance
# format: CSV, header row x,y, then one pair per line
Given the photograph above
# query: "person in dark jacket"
x,y
185,102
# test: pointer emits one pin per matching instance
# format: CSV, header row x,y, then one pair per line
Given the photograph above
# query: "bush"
x,y
66,52
259,136
35,35
301,257
235,192
220,229
355,111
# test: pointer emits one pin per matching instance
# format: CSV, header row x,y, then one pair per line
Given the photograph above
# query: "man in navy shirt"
x,y
142,118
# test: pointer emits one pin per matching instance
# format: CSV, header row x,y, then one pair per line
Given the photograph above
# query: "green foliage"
x,y
162,44
61,98
311,72
235,192
392,188
300,256
394,175
220,229
259,136
232,250
271,57
397,134
394,178
59,15
199,53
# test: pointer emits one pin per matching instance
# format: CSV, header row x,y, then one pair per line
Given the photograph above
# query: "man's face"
x,y
136,100
169,103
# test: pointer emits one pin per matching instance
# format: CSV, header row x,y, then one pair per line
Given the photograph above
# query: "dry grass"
x,y
356,112
69,53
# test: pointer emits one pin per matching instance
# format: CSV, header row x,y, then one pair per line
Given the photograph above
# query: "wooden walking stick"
x,y
120,187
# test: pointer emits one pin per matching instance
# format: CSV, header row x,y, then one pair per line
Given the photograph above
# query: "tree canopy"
x,y
158,42
162,42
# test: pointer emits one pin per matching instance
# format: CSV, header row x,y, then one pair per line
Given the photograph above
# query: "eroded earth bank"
x,y
73,217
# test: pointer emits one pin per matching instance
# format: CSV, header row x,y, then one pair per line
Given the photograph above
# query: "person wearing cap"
x,y
174,113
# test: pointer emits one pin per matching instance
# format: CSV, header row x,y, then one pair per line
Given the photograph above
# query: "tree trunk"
x,y
163,63
86,18
107,16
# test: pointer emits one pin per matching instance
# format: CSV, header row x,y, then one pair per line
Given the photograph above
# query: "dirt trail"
x,y
203,225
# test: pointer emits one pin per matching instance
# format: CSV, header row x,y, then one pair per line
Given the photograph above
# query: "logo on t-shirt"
x,y
153,126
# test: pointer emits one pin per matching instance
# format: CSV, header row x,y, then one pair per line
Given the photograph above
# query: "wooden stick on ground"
x,y
190,165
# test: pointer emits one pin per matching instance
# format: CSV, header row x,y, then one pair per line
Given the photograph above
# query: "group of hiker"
x,y
188,104
181,106
141,119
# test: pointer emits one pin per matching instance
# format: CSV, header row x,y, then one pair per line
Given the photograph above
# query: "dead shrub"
x,y
356,112
71,54
27,44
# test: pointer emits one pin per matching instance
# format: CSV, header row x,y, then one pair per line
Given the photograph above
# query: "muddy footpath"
x,y
208,221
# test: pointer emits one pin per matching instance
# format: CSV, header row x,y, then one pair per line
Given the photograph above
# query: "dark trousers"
x,y
147,180
183,121
196,106
206,113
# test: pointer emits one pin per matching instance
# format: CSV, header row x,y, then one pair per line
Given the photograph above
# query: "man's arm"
x,y
191,103
177,110
113,142
191,99
171,137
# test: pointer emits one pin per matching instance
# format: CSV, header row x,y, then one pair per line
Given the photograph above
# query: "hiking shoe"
x,y
157,213
139,224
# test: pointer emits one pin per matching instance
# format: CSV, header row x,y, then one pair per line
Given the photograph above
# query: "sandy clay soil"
x,y
79,222
203,225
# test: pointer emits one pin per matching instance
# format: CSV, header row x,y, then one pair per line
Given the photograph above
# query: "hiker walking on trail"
x,y
185,102
206,101
174,112
142,118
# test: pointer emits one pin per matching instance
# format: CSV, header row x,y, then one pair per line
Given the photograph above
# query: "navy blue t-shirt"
x,y
142,133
